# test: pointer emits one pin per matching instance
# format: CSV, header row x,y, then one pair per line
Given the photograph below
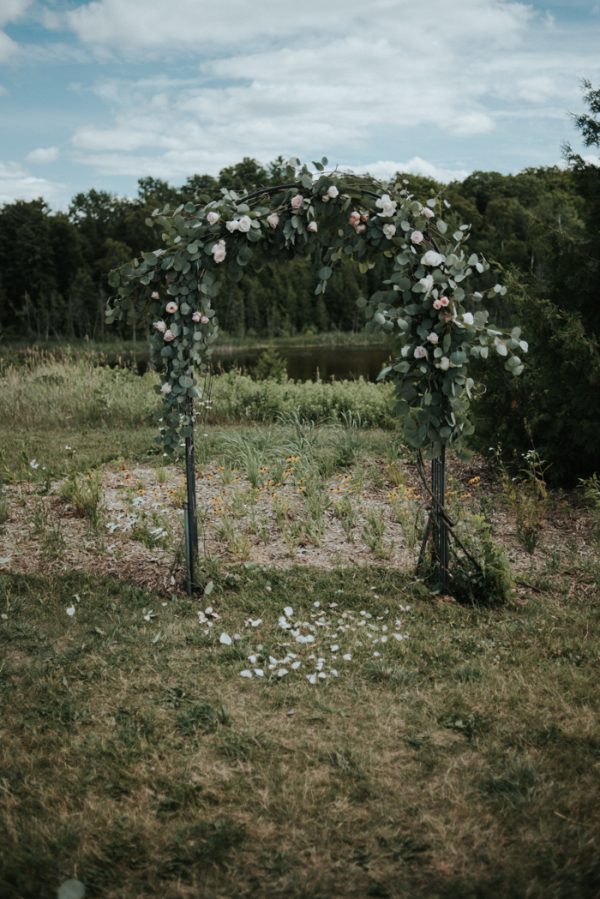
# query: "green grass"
x,y
460,763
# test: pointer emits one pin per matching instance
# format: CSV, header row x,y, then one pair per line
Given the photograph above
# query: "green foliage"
x,y
84,494
423,300
489,584
270,365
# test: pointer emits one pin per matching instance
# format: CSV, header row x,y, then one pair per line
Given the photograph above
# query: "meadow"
x,y
315,722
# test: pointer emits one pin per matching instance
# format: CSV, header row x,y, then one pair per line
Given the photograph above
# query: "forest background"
x,y
540,229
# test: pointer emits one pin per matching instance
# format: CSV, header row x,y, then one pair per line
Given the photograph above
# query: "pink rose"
x,y
420,353
212,218
444,301
354,219
360,229
171,307
196,316
433,338
416,237
312,226
273,220
155,295
204,320
218,251
168,336
297,201
160,326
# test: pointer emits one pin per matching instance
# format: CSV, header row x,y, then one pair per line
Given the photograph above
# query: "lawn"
x,y
315,722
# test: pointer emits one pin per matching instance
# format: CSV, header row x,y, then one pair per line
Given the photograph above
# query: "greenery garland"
x,y
425,304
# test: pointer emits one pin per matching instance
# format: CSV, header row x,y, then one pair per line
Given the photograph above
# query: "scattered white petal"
x,y
245,673
225,639
284,623
311,678
399,637
322,675
252,660
282,672
334,648
334,672
347,657
70,611
259,672
296,665
377,655
288,611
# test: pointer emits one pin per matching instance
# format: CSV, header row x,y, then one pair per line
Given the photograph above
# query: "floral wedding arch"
x,y
426,302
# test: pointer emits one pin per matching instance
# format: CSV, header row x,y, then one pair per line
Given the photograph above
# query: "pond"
x,y
309,363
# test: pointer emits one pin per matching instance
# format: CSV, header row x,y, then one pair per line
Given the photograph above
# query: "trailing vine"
x,y
425,302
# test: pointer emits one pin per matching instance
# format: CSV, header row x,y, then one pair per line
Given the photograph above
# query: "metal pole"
x,y
191,519
440,526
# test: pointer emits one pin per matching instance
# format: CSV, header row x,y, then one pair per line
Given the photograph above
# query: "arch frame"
x,y
425,302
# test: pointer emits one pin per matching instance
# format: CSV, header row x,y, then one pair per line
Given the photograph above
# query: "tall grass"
x,y
68,393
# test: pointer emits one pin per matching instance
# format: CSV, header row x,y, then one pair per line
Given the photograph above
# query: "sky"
x,y
98,94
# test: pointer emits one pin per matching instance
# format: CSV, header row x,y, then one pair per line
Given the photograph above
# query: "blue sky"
x,y
98,94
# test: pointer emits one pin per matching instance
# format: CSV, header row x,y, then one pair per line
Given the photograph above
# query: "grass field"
x,y
297,729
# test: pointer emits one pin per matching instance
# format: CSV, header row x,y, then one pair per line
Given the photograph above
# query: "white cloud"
x,y
18,184
43,155
384,170
143,24
10,11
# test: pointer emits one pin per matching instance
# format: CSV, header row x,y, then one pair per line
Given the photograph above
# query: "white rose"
x,y
420,353
432,258
233,225
218,251
244,224
417,237
426,283
312,226
160,326
386,205
166,389
168,336
212,218
427,212
389,231
468,318
444,363
333,192
433,338
273,220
